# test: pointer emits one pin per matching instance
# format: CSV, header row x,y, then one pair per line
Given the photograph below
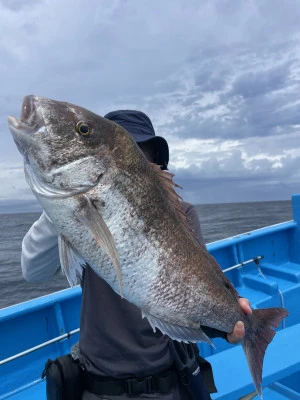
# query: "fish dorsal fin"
x,y
166,179
97,227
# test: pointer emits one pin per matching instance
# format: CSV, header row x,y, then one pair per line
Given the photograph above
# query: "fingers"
x,y
237,334
245,305
239,330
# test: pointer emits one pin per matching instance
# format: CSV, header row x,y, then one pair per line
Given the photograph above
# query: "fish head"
x,y
66,146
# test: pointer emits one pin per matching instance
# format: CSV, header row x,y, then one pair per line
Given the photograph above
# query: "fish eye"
x,y
83,129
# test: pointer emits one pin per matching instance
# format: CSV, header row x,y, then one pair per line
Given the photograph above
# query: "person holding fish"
x,y
112,218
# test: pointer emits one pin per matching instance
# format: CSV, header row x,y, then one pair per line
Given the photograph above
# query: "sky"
x,y
220,81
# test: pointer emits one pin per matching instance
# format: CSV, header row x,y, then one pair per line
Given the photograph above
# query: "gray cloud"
x,y
17,5
214,70
253,84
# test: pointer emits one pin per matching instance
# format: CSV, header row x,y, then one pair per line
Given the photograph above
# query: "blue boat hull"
x,y
274,281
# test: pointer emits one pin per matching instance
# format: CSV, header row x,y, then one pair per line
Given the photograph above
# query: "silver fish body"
x,y
118,213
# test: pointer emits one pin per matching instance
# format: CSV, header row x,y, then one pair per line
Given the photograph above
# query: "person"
x,y
116,344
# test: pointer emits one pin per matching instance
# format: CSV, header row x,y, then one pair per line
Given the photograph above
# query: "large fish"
x,y
117,212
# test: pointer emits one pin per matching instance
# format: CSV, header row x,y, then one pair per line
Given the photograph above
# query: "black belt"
x,y
161,383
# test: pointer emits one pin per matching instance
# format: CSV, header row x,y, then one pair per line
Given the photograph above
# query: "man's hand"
x,y
239,330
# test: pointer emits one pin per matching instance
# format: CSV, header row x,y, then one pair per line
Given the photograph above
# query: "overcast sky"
x,y
219,79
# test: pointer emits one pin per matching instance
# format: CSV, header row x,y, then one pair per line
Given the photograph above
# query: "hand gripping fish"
x,y
120,214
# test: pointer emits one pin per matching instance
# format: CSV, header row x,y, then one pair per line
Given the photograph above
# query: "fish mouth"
x,y
30,123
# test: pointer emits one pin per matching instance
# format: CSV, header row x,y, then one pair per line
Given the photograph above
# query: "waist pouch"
x,y
160,383
194,372
64,379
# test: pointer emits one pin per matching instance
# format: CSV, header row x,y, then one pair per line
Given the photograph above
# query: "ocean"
x,y
218,221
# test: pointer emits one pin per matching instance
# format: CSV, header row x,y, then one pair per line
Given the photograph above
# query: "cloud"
x,y
220,80
253,84
237,170
239,158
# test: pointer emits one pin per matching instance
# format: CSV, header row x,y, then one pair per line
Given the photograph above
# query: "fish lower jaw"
x,y
22,134
19,127
13,122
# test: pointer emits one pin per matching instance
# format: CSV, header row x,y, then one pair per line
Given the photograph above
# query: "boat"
x,y
263,265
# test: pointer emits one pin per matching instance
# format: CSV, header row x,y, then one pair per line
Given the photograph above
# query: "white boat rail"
x,y
32,349
255,260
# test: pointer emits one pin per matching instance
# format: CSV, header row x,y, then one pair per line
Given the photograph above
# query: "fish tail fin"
x,y
258,335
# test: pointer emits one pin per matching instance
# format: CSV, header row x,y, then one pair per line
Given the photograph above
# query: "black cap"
x,y
140,127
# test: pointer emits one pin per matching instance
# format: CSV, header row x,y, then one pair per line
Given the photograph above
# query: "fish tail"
x,y
258,335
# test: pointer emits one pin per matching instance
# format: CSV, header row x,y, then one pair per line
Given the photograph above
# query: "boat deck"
x,y
273,281
232,375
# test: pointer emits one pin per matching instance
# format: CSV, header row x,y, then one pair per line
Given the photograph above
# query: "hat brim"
x,y
141,138
159,144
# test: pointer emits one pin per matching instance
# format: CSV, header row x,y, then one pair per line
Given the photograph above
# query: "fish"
x,y
121,214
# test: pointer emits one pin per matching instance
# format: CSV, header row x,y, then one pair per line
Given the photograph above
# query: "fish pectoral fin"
x,y
71,262
94,222
176,332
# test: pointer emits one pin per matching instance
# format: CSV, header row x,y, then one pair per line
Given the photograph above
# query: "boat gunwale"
x,y
38,303
256,233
